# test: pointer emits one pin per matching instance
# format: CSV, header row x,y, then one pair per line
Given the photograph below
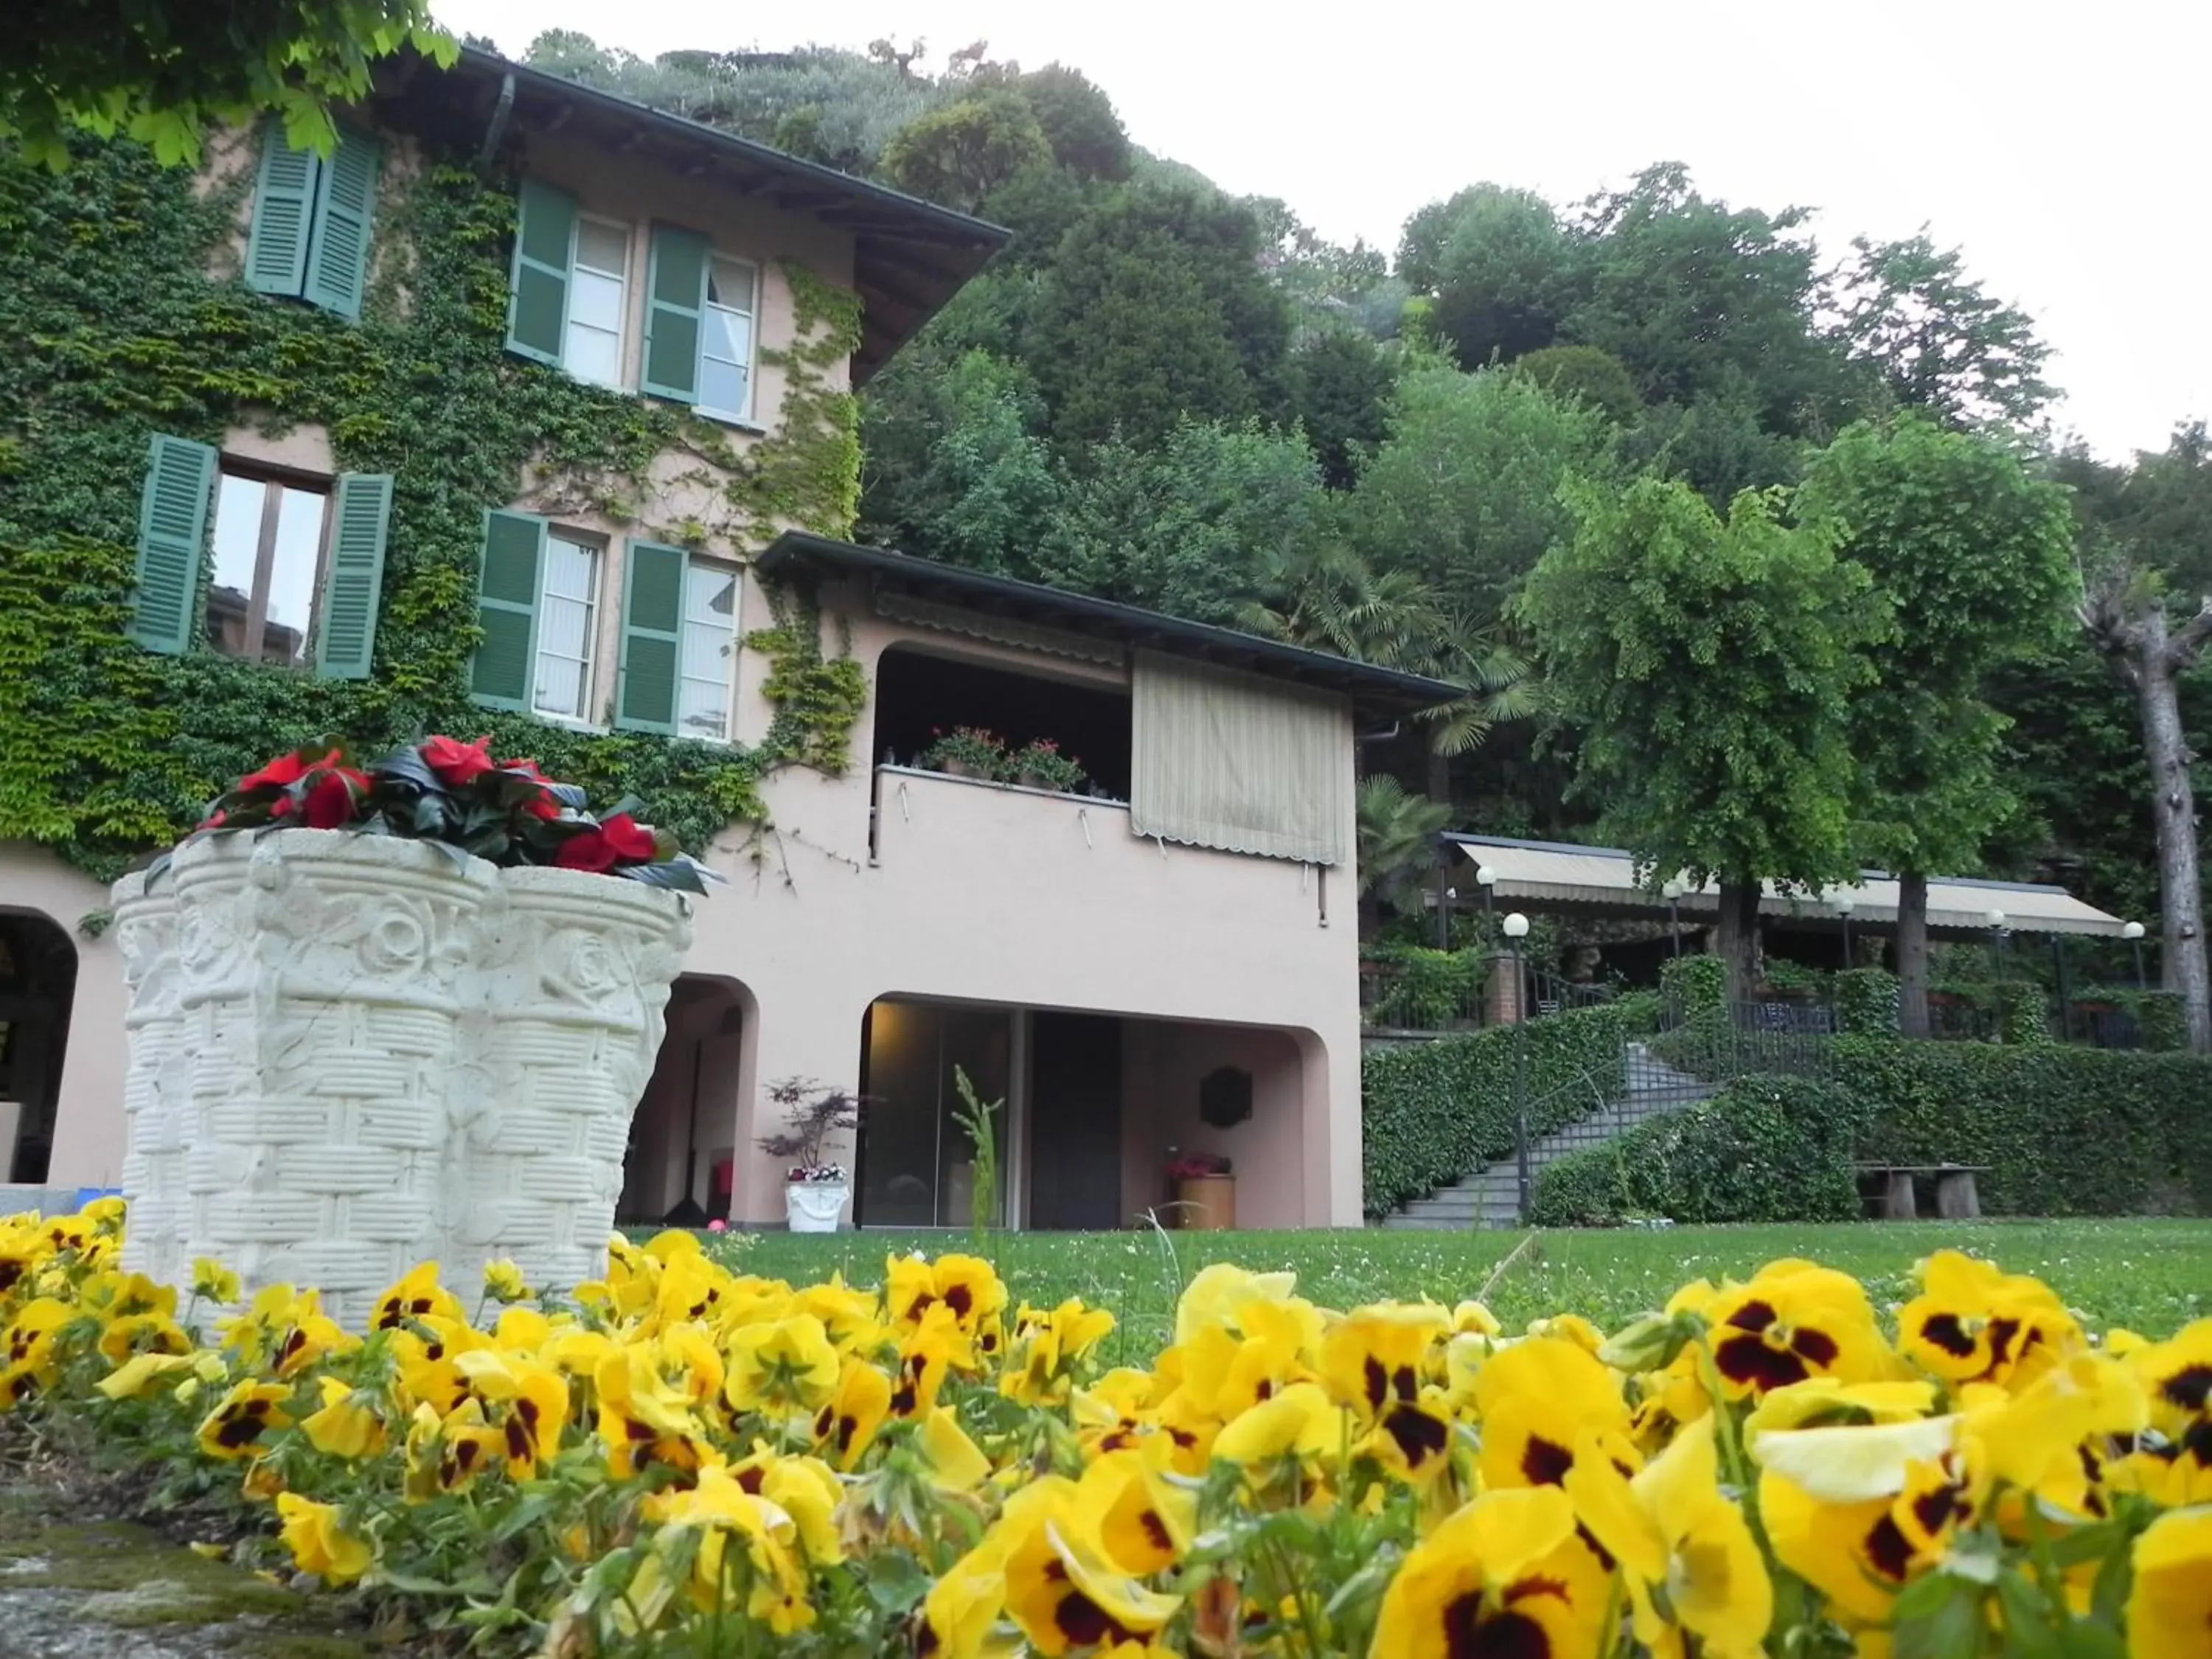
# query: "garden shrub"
x,y
1694,984
2064,1130
1433,1112
1641,1012
2161,1024
1762,1149
1866,1001
2023,1017
1427,989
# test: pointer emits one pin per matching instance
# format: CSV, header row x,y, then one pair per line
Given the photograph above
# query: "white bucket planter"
x,y
814,1206
351,1052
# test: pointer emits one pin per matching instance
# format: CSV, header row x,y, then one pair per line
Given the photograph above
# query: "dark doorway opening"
x,y
38,986
920,697
1075,1121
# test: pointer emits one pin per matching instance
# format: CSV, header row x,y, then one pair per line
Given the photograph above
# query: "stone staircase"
x,y
1491,1197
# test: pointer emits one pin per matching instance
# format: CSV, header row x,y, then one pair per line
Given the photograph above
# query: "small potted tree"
x,y
815,1189
1040,765
1206,1192
968,751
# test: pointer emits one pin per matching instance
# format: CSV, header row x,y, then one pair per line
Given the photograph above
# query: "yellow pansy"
x,y
213,1282
417,1296
140,1372
787,1367
2170,1605
1505,1574
503,1282
1534,1399
1061,1588
1972,1323
242,1416
318,1543
347,1424
1795,1321
846,1426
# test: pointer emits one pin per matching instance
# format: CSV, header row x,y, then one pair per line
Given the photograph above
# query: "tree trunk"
x,y
1911,954
2128,628
2173,809
1739,935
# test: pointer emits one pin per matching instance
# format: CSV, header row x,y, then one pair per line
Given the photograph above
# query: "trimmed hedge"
x,y
2064,1130
1427,990
1433,1112
1866,1001
1762,1149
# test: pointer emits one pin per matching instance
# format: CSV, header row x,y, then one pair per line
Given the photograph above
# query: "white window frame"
x,y
721,567
734,417
594,610
629,233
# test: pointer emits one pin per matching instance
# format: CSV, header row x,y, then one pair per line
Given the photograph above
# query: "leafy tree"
x,y
1505,272
1719,443
1697,297
1040,204
958,154
1155,311
1078,120
1938,342
1600,380
1973,559
1465,489
1709,665
1186,526
1397,846
159,73
957,470
2126,618
1340,391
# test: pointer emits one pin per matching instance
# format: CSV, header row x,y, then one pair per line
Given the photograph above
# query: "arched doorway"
x,y
681,1157
38,986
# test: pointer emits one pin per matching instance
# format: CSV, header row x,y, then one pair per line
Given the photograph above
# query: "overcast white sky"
x,y
2063,145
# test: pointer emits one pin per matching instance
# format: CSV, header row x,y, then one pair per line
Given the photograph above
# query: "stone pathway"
x,y
74,1588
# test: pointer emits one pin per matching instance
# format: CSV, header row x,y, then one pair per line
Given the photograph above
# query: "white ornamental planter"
x,y
350,1053
814,1206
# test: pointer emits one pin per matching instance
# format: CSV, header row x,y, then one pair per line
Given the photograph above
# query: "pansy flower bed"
x,y
679,1458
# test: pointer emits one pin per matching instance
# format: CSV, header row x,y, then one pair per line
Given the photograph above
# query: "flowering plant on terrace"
x,y
679,1458
456,795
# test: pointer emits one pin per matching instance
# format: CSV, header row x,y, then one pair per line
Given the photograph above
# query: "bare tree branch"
x,y
2188,644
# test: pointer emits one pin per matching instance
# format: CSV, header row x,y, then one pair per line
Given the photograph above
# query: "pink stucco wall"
x,y
1162,1065
88,1150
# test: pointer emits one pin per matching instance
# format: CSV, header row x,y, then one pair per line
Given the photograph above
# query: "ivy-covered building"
x,y
529,410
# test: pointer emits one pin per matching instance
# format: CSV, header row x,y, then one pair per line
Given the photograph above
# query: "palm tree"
x,y
1397,839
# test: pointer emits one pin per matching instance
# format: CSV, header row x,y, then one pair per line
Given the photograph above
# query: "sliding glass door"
x,y
917,1167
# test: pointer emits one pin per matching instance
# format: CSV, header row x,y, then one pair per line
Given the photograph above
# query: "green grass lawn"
x,y
2153,1276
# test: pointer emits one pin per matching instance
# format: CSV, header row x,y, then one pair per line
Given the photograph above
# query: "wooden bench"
x,y
1956,1197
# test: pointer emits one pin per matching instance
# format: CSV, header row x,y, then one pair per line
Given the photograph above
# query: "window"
x,y
725,350
269,539
591,350
710,610
309,237
297,561
567,615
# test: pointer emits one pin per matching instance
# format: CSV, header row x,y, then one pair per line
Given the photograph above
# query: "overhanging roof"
x,y
798,557
909,256
1602,881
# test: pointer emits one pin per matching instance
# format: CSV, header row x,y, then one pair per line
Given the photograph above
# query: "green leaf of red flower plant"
x,y
683,874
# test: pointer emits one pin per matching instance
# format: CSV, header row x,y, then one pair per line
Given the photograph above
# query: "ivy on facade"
x,y
126,317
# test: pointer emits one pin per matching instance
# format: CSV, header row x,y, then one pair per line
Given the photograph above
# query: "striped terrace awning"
x,y
1563,878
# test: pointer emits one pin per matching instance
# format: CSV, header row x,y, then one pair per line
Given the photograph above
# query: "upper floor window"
x,y
298,562
310,231
268,557
593,346
725,347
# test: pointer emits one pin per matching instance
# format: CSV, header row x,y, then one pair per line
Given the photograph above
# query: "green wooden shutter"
x,y
172,517
651,639
345,636
544,242
284,206
675,313
345,198
506,609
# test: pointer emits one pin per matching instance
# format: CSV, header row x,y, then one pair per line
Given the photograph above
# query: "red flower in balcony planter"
x,y
458,763
286,771
620,840
329,801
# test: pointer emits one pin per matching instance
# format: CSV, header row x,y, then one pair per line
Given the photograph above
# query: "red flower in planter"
x,y
285,770
620,840
329,802
541,804
456,762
